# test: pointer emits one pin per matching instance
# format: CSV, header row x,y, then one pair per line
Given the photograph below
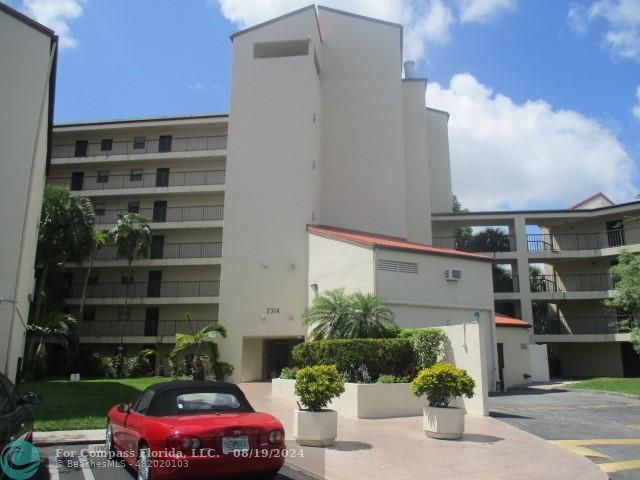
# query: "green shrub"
x,y
359,358
317,386
387,379
442,383
288,373
221,370
427,344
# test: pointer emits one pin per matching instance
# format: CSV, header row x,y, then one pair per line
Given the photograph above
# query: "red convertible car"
x,y
195,429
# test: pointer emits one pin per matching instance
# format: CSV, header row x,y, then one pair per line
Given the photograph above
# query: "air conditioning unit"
x,y
453,275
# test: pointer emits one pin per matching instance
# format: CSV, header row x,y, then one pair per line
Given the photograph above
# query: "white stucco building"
x,y
324,174
27,76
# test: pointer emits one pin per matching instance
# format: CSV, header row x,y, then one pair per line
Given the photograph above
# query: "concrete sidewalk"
x,y
399,449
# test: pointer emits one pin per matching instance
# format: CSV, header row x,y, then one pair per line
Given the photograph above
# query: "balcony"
x,y
504,284
139,328
131,147
169,251
204,213
138,181
507,243
587,282
584,325
202,288
557,242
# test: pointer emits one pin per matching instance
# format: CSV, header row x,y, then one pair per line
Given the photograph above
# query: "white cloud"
x,y
622,20
56,15
509,155
483,10
636,107
425,22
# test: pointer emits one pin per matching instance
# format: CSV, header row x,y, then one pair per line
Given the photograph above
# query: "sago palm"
x,y
327,314
370,317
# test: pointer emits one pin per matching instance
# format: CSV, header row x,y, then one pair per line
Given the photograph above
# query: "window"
x,y
89,315
103,176
124,314
126,278
99,209
139,143
106,145
164,144
396,266
207,401
288,48
81,148
144,401
135,175
133,207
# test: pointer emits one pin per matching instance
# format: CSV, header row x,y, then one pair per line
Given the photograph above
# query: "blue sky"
x,y
542,58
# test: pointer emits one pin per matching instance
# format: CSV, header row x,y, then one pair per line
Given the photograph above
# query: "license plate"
x,y
234,444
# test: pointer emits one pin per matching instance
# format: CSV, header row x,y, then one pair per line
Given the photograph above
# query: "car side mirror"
x,y
32,398
124,408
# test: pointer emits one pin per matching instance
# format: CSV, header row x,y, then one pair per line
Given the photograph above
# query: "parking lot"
x,y
87,462
604,428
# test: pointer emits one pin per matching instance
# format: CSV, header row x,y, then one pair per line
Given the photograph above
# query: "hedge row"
x,y
390,356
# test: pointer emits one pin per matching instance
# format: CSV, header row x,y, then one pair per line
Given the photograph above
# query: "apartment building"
x,y
28,57
557,277
324,136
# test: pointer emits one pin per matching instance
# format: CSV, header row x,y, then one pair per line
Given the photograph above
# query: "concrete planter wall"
x,y
360,400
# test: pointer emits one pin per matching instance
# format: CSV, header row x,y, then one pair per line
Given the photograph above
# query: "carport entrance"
x,y
276,355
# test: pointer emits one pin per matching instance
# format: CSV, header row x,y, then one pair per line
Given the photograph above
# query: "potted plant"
x,y
441,384
316,386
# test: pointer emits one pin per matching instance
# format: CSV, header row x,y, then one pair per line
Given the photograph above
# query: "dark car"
x,y
16,415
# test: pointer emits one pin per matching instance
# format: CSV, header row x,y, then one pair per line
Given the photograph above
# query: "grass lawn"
x,y
619,385
67,406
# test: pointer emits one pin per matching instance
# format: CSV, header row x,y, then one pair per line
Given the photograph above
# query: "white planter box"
x,y
444,423
315,429
360,400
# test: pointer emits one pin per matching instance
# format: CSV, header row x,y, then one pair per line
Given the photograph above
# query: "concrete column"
x,y
522,264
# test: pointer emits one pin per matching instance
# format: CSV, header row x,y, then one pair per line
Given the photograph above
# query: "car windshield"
x,y
194,401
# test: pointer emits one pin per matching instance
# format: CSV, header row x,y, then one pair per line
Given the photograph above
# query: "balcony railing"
x,y
202,288
504,284
202,213
139,328
541,242
141,180
477,244
584,325
170,250
130,147
588,282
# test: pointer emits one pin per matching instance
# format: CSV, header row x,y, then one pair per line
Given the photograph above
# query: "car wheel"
x,y
144,463
108,441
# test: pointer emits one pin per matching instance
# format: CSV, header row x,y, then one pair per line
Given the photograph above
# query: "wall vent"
x,y
453,275
396,266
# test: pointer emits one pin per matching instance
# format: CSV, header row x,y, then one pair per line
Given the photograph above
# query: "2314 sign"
x,y
273,310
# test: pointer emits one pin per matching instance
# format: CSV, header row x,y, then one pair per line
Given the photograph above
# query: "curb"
x,y
297,473
603,392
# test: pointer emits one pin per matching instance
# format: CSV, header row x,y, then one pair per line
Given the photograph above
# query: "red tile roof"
x,y
504,321
388,242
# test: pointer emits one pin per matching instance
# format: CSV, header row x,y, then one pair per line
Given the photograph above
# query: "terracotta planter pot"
x,y
315,429
444,423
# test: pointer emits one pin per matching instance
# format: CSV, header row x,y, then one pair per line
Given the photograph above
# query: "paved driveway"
x,y
604,428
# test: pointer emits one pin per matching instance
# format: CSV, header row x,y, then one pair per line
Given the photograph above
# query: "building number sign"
x,y
272,310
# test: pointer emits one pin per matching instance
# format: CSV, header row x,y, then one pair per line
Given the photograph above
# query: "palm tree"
x,y
491,240
193,342
327,314
370,317
65,234
57,325
335,314
132,238
99,240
